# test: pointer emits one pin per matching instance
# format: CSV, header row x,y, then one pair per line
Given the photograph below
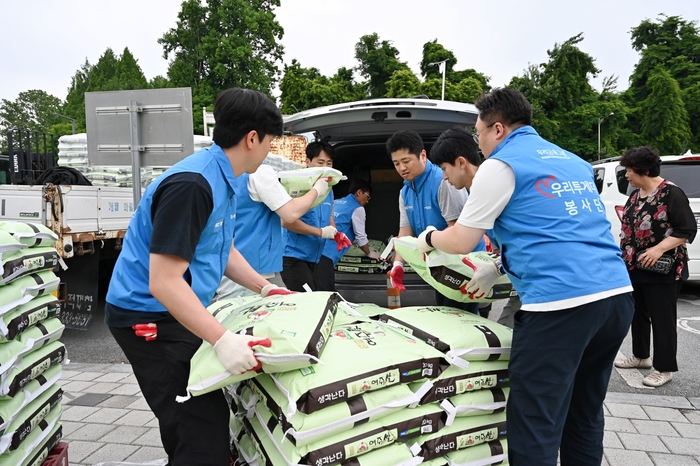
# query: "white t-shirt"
x,y
492,188
359,217
264,186
450,199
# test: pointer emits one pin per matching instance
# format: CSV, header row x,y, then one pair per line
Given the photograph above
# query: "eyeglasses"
x,y
368,196
475,135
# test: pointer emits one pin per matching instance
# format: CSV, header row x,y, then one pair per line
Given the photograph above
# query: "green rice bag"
x,y
349,313
298,326
372,436
461,335
10,406
9,243
465,432
476,403
447,273
14,322
456,381
26,261
362,268
30,234
22,290
36,446
32,339
28,418
303,429
493,452
299,182
359,358
31,366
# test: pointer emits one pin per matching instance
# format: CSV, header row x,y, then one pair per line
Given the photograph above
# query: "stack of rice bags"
x,y
30,353
73,152
356,261
378,398
117,176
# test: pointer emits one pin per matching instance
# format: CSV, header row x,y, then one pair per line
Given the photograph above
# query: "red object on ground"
x,y
58,456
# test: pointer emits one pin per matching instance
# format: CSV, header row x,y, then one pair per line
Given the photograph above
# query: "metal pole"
x,y
135,152
599,120
443,65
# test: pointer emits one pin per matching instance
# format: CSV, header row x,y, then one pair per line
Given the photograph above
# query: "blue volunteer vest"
x,y
306,247
554,237
128,287
420,198
342,212
258,232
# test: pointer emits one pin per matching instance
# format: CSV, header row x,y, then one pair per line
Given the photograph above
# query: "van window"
x,y
685,175
622,183
599,175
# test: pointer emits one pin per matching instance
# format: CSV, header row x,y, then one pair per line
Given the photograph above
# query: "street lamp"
x,y
72,120
441,67
599,121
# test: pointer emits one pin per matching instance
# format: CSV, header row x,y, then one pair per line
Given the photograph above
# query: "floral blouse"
x,y
648,221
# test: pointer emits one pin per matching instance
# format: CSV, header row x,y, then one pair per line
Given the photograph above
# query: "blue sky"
x,y
45,41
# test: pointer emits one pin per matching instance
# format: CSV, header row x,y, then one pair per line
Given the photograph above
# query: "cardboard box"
x,y
385,176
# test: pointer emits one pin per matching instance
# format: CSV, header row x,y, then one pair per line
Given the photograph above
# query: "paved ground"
x,y
105,420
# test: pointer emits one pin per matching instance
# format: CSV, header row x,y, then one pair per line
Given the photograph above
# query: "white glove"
x,y
485,276
321,187
328,232
234,353
373,255
273,290
423,245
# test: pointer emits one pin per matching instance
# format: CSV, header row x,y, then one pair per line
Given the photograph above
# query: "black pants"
x,y
442,300
655,312
324,275
560,365
296,273
195,432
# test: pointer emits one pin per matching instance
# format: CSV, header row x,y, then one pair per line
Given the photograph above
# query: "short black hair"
x,y
313,149
507,105
238,111
359,183
643,160
405,139
453,143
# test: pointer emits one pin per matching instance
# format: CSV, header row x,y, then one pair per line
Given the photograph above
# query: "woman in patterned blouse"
x,y
657,220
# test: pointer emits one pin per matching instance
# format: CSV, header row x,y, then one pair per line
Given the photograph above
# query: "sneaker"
x,y
633,362
657,379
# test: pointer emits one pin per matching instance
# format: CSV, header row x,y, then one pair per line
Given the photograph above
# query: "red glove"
x,y
271,290
397,276
264,342
342,241
148,331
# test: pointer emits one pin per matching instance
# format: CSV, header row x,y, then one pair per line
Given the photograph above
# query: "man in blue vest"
x,y
349,214
426,201
178,246
258,226
305,238
558,252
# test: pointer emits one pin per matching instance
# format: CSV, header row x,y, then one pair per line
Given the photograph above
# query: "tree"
x,y
75,101
378,60
129,74
305,88
403,83
433,53
664,119
222,44
34,110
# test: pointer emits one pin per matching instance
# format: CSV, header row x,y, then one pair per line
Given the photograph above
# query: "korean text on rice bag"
x,y
297,325
359,358
461,335
299,182
456,381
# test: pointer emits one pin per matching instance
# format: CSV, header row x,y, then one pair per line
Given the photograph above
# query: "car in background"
x,y
358,132
614,190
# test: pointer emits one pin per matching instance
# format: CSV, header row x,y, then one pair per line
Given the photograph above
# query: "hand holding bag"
x,y
662,266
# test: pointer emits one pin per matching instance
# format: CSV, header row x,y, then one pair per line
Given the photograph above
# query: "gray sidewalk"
x,y
105,418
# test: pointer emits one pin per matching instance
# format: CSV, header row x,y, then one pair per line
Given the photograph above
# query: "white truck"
x,y
126,128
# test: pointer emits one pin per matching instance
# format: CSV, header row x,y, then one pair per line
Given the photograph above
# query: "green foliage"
x,y
433,53
34,110
305,88
403,83
222,44
664,120
378,60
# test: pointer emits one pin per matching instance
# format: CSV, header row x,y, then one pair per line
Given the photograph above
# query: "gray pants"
x,y
512,306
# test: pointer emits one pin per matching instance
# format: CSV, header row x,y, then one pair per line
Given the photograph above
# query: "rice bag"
x,y
447,273
299,182
461,335
456,381
359,358
30,234
298,326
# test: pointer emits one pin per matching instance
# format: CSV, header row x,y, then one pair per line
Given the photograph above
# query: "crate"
x,y
58,456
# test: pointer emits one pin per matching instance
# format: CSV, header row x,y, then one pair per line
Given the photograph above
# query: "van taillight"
x,y
620,211
694,157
